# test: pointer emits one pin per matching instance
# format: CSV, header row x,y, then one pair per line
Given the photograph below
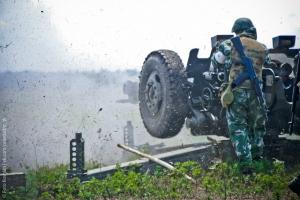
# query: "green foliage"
x,y
191,168
53,184
92,189
223,180
268,180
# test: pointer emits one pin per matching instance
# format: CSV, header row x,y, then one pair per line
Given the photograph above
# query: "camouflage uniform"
x,y
246,121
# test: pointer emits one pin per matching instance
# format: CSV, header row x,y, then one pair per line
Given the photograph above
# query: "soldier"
x,y
246,121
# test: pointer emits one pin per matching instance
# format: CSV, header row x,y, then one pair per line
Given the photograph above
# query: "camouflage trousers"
x,y
246,124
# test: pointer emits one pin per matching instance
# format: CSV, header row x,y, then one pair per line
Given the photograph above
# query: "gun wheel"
x,y
163,100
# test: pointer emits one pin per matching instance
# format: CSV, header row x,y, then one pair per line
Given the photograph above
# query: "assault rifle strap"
x,y
250,73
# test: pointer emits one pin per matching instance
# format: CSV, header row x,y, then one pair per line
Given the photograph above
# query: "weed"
x,y
222,181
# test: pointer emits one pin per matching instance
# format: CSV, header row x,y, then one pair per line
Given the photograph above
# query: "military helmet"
x,y
244,26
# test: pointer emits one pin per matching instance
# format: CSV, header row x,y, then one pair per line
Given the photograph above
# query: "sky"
x,y
62,35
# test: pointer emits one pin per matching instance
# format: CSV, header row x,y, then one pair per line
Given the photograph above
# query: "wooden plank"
x,y
154,159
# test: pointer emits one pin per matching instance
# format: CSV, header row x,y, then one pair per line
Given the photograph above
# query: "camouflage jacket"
x,y
226,56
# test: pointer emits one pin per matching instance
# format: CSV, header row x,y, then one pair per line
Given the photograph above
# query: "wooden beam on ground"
x,y
154,159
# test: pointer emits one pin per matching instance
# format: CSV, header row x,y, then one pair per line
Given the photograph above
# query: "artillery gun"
x,y
171,95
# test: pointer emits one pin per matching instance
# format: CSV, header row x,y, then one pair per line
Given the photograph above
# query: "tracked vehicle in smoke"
x,y
171,95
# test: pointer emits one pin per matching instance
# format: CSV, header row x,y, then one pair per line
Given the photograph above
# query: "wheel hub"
x,y
153,93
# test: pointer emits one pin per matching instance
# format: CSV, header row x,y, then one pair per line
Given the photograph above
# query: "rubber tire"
x,y
174,108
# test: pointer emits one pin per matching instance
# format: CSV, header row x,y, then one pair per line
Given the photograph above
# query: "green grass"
x,y
221,181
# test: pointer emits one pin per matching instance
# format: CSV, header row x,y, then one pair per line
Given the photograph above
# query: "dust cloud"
x,y
44,111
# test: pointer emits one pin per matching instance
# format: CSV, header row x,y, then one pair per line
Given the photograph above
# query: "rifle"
x,y
250,74
295,96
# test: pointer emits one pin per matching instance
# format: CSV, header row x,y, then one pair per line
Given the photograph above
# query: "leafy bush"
x,y
221,181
